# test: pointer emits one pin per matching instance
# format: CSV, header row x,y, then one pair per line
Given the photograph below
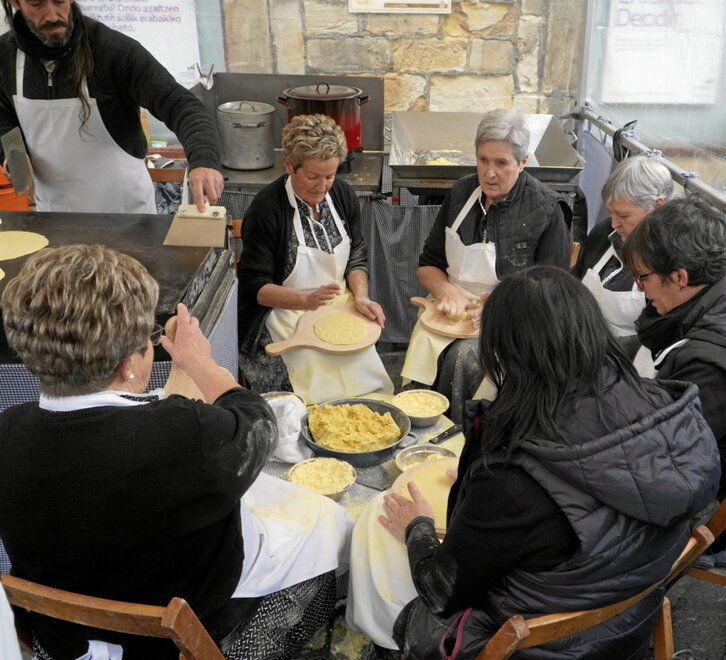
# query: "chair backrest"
x,y
520,633
574,253
176,621
717,525
167,174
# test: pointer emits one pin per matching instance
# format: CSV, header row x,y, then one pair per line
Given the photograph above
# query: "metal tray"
x,y
418,138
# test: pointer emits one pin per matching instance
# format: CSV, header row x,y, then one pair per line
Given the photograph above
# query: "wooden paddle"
x,y
305,337
439,323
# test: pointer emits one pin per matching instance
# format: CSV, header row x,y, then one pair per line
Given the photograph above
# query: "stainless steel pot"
x,y
362,458
246,135
340,102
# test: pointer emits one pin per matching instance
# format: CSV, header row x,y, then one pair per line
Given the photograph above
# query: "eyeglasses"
x,y
156,334
638,279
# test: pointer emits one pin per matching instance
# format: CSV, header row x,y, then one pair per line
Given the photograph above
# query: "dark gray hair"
x,y
641,180
504,126
684,233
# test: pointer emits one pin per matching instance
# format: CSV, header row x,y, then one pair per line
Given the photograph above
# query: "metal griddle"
x,y
140,236
418,138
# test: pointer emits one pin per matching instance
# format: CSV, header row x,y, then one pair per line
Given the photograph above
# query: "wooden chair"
x,y
167,174
717,525
176,621
574,253
520,633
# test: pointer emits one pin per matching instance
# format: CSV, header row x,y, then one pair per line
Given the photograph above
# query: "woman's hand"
x,y
371,310
321,296
454,305
400,511
475,308
184,341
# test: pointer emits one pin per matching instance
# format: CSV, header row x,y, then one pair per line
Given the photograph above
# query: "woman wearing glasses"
x,y
678,255
634,188
110,492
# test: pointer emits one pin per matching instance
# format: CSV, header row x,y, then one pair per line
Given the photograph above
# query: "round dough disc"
x,y
434,484
340,328
14,244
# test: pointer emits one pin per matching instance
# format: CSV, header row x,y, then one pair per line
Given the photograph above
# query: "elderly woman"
x,y
110,492
634,188
574,490
497,221
302,244
678,258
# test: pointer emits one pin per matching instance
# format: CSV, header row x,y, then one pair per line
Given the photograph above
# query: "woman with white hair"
x,y
634,188
492,223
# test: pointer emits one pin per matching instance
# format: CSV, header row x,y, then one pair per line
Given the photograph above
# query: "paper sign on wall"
x,y
167,29
663,52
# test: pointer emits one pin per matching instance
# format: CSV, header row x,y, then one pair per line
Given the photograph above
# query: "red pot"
x,y
339,102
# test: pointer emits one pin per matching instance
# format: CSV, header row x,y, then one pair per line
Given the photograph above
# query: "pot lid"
x,y
323,90
246,108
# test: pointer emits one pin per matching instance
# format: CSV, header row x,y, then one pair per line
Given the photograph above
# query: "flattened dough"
x,y
434,484
341,329
14,244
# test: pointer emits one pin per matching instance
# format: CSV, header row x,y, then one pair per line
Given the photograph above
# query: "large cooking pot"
x,y
339,102
245,132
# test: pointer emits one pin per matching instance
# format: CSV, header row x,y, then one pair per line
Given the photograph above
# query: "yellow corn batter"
x,y
323,475
341,329
419,404
350,428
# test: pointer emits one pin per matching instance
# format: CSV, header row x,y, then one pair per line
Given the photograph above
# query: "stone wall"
x,y
525,53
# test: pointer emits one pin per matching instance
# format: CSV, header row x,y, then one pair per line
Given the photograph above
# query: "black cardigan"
x,y
266,233
136,504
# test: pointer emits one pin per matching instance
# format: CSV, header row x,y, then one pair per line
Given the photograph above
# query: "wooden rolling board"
x,y
434,484
305,337
437,322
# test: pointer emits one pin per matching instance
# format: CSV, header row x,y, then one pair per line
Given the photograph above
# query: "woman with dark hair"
x,y
678,255
574,488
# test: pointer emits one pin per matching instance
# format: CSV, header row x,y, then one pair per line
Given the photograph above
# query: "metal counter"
x,y
365,174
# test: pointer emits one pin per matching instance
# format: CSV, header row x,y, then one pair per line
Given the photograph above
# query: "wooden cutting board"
x,y
434,484
437,322
305,337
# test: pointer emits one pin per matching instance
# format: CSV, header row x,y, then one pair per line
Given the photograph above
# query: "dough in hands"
x,y
14,244
434,484
339,328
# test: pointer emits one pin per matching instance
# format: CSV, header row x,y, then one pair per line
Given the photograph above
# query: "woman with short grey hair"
x,y
634,188
504,126
492,223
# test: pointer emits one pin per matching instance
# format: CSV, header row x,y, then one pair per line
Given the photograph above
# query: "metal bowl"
x,y
417,454
268,396
336,495
362,458
428,420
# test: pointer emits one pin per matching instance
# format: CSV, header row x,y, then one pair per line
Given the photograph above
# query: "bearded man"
x,y
75,88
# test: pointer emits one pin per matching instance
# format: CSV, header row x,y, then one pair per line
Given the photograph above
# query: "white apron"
x,y
290,534
472,268
78,170
314,375
620,308
380,582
